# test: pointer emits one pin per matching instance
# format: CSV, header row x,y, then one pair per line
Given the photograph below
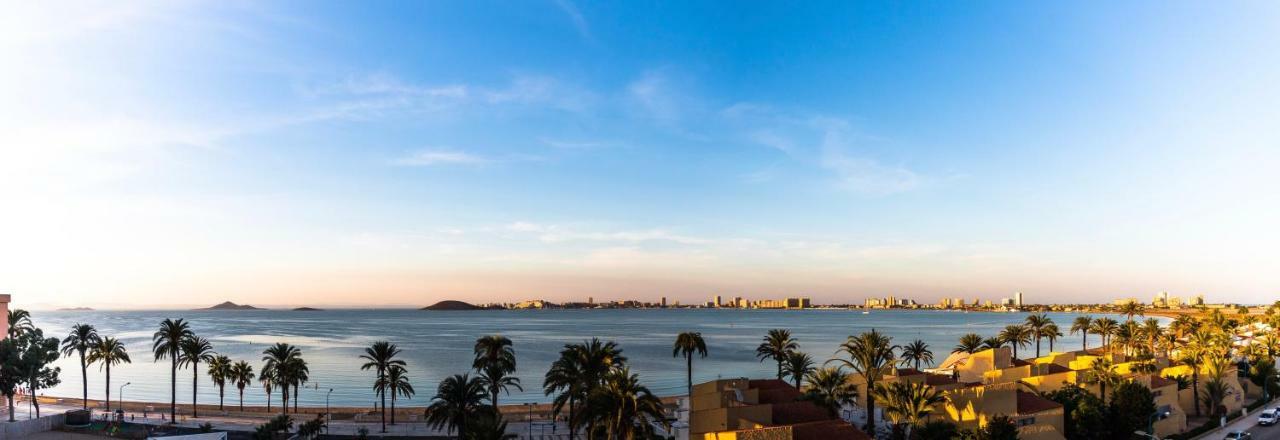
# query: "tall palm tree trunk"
x,y
1195,389
84,381
383,394
173,389
109,387
572,429
1038,346
1084,341
195,381
393,408
295,398
10,398
871,407
688,358
284,398
222,393
241,399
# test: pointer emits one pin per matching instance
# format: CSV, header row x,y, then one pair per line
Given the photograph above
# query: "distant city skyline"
x,y
339,154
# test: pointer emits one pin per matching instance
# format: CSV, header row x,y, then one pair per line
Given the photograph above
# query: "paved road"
x,y
1250,423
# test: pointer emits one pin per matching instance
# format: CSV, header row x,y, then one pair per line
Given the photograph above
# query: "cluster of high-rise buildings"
x,y
1165,301
739,302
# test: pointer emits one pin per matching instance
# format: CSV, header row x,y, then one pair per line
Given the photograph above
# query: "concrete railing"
x,y
24,428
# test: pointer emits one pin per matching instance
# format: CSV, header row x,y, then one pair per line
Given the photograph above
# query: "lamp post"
x,y
120,395
1151,423
328,418
529,419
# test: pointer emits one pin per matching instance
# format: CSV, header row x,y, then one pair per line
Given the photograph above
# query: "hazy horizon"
x,y
347,154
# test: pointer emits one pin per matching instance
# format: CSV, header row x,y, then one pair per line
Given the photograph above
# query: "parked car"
x,y
1267,418
1239,435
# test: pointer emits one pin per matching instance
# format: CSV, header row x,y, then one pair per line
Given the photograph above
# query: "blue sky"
x,y
399,153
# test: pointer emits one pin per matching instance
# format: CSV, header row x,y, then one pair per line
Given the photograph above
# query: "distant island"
x,y
228,305
451,305
307,309
75,309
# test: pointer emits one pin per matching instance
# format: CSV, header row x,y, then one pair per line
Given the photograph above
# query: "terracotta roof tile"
x,y
778,395
827,430
767,384
1161,382
1031,403
791,413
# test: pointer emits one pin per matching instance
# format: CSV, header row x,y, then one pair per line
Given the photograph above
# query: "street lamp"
x,y
529,419
120,395
1151,423
328,418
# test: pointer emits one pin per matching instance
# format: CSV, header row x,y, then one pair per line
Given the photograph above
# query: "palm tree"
x,y
1192,355
82,338
908,403
458,399
495,362
1037,323
1151,328
969,343
830,388
577,374
1105,327
298,374
564,380
220,372
109,351
380,357
687,344
396,384
625,408
495,379
165,345
869,353
242,376
268,380
1016,335
194,350
1082,324
19,322
1130,309
797,366
992,343
281,361
777,343
915,353
1184,325
1102,372
1052,333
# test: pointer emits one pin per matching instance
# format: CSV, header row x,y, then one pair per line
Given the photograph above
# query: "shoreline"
x,y
539,411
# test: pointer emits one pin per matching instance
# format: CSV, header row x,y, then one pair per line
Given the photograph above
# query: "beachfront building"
x,y
785,303
743,409
4,311
996,368
971,402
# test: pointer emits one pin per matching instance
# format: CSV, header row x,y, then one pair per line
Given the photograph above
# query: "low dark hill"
x,y
450,305
307,309
231,306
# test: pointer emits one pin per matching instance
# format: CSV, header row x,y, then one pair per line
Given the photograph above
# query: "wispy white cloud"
x,y
574,144
651,94
560,233
827,143
441,157
575,16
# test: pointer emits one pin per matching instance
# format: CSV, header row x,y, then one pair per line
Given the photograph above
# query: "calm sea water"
x,y
438,343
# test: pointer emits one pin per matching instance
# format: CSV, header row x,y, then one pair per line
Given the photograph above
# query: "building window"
x,y
1027,422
